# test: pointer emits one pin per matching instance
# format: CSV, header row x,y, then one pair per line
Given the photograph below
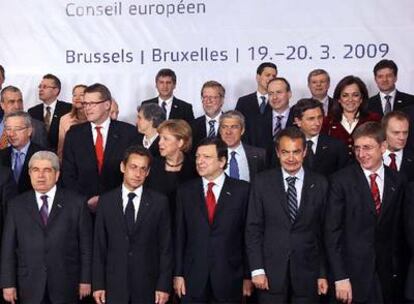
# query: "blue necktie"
x,y
262,106
212,131
18,165
234,167
292,198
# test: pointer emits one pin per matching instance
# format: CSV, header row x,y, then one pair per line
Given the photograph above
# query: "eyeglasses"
x,y
365,148
210,98
44,87
17,129
92,104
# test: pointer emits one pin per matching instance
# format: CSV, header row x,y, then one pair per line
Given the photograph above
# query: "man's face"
x,y
319,86
385,79
96,109
208,164
212,101
143,124
397,134
231,132
369,153
48,91
278,95
18,135
263,79
311,122
165,86
291,154
135,171
12,102
42,175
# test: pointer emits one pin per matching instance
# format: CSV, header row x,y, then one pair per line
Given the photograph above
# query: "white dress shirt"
x,y
50,198
136,201
147,142
259,98
242,163
104,131
349,127
315,142
168,105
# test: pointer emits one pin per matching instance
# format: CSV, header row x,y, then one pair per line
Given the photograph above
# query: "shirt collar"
x,y
50,194
104,125
22,150
238,149
167,101
125,191
285,113
398,153
259,95
392,94
216,119
52,105
218,181
379,172
299,175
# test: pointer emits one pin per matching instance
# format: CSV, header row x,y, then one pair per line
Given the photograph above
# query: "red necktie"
x,y
210,202
99,148
393,163
375,193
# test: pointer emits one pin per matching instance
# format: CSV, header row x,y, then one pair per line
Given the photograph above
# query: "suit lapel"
x,y
251,160
223,202
388,193
365,189
321,148
111,143
33,209
144,209
119,209
277,191
87,140
57,207
305,199
174,113
201,199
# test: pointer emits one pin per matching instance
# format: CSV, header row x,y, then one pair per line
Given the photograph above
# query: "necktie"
x,y
234,167
44,209
18,165
375,193
387,107
210,202
262,104
292,198
47,118
212,130
99,149
278,126
3,140
130,212
310,156
164,107
146,143
393,163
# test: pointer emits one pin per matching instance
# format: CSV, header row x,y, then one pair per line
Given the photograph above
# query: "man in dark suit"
x,y
8,190
11,101
389,98
284,227
174,108
324,154
210,219
362,218
212,97
256,103
47,240
18,127
149,117
409,232
93,150
318,84
244,161
51,109
133,254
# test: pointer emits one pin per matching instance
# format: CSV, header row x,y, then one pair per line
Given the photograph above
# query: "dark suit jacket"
x,y
401,101
198,127
409,232
215,252
8,190
24,183
359,243
256,160
407,165
79,165
39,135
155,152
179,109
61,109
273,242
410,112
132,267
58,256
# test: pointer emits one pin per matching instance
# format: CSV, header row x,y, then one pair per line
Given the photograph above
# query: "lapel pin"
x,y
311,186
59,205
175,106
399,101
392,188
333,127
325,147
228,193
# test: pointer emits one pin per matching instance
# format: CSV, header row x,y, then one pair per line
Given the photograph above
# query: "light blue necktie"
x,y
18,165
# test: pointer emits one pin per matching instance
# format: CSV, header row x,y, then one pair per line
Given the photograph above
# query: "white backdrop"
x,y
124,43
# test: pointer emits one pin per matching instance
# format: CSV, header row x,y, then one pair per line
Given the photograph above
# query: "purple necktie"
x,y
44,213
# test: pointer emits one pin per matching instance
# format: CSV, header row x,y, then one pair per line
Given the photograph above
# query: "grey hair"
x,y
26,116
233,114
153,112
45,155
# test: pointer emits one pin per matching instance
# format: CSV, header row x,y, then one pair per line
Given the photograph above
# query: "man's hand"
x,y
260,282
247,288
93,202
10,294
322,286
84,290
99,296
343,291
161,297
179,286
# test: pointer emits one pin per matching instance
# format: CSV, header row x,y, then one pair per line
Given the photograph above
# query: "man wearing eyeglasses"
x,y
93,150
51,109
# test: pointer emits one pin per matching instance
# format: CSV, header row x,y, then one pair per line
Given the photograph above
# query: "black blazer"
x,y
273,242
24,183
256,160
248,105
198,127
401,101
79,165
359,243
8,190
61,109
409,232
179,109
410,141
132,267
154,149
407,165
58,256
216,252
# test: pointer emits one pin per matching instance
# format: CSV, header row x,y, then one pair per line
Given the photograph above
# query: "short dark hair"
x,y
318,72
280,79
305,104
152,112
398,115
9,88
385,63
292,133
137,149
372,129
2,72
55,80
264,65
101,89
221,146
166,73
